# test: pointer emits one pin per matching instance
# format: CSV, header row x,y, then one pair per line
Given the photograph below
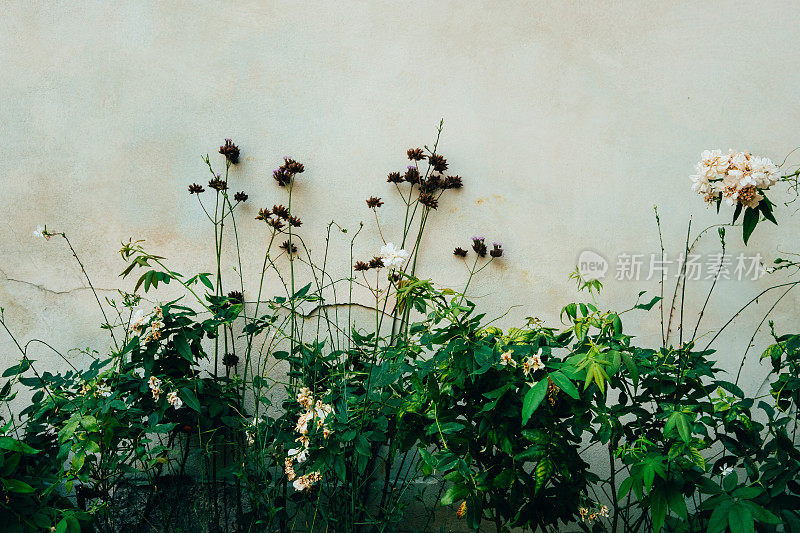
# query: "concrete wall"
x,y
567,120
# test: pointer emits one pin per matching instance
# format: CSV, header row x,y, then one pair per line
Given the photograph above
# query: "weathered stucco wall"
x,y
567,120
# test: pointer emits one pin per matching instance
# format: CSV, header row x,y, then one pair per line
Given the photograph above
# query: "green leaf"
x,y
616,322
362,446
719,517
624,487
23,365
648,306
15,485
740,519
765,206
90,424
648,475
748,493
543,471
302,292
188,396
697,458
14,445
182,345
658,509
761,514
677,503
730,481
532,400
204,279
633,370
456,492
736,213
683,427
564,383
61,527
749,223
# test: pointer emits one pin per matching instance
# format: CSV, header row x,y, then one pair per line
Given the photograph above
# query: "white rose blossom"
x,y
392,256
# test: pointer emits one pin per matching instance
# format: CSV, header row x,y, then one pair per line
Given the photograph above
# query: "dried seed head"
x,y
415,154
432,184
412,175
236,297
452,182
376,262
360,266
194,188
292,167
275,223
282,176
286,247
428,200
263,214
280,211
460,252
218,184
394,177
295,222
438,162
230,151
373,202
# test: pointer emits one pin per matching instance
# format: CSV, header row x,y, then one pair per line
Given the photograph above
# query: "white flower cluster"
x,y
315,414
736,177
101,388
174,401
588,515
529,364
139,324
532,363
392,256
155,388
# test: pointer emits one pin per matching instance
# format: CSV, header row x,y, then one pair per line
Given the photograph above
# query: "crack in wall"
x,y
51,291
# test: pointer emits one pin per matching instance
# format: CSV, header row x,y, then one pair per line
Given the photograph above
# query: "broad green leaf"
x,y
658,509
14,445
454,493
564,383
532,400
15,485
182,345
740,520
188,396
719,517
